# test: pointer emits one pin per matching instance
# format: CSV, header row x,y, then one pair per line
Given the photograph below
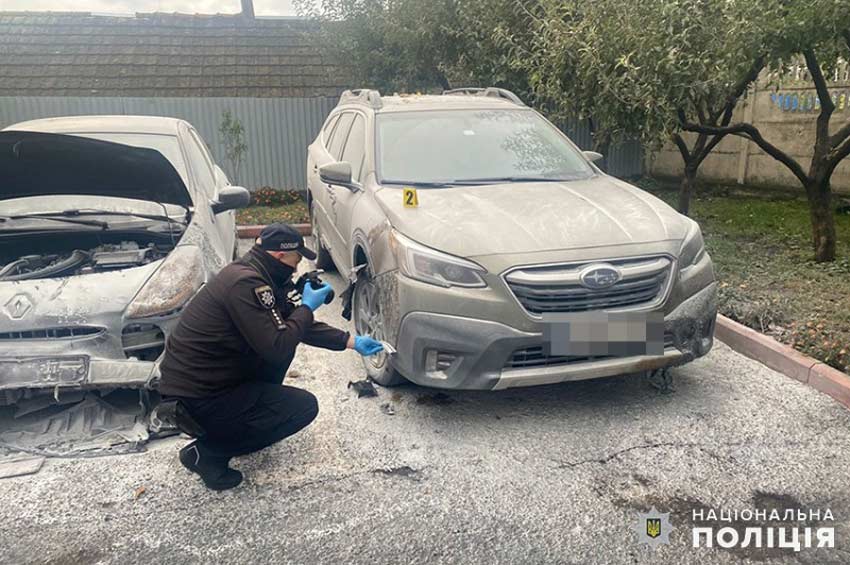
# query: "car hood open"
x,y
43,164
472,221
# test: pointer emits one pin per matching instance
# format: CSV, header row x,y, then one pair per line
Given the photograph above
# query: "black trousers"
x,y
251,416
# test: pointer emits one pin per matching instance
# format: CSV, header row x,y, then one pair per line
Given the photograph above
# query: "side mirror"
x,y
338,174
592,156
231,198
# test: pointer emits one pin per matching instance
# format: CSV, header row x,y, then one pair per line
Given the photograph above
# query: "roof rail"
x,y
362,96
490,91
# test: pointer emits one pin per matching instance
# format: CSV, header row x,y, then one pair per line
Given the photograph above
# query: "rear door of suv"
x,y
327,149
353,153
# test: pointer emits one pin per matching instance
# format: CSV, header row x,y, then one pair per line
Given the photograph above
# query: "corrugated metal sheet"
x,y
277,130
625,159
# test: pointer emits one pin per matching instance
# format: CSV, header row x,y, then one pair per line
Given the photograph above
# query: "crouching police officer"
x,y
226,359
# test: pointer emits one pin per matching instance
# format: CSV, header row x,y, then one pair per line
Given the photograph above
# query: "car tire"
x,y
323,256
368,321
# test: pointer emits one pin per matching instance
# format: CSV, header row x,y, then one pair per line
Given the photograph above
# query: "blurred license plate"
x,y
43,371
601,334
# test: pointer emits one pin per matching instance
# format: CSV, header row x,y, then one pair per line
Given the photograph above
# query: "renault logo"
x,y
18,306
599,276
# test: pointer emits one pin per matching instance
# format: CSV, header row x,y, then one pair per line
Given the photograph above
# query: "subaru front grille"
x,y
591,285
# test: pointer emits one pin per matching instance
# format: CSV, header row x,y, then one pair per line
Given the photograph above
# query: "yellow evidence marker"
x,y
411,199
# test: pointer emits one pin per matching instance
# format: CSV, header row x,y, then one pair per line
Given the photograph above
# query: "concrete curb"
x,y
784,359
254,231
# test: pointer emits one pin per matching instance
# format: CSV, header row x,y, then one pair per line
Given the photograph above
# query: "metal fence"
x,y
277,130
625,159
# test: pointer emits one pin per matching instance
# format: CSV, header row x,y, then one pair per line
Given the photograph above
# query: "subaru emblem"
x,y
599,276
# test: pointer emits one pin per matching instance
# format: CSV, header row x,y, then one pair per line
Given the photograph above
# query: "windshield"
x,y
468,146
165,144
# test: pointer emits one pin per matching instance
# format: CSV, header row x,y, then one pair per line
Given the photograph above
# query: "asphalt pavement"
x,y
555,474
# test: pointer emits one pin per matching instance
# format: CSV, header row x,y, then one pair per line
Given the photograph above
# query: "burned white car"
x,y
107,229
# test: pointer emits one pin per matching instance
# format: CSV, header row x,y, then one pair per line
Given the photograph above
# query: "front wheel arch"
x,y
360,256
385,374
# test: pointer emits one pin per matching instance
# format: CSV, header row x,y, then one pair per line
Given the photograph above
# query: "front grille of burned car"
x,y
51,333
536,356
558,288
144,342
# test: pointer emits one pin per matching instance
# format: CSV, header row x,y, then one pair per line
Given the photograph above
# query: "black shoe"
x,y
213,470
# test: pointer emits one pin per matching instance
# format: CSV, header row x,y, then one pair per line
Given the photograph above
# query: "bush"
x,y
759,313
268,196
815,339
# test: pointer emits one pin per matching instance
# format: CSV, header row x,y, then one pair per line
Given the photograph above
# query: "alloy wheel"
x,y
367,316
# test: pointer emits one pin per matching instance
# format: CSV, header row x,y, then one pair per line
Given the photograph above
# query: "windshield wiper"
x,y
72,215
422,184
96,212
52,217
496,180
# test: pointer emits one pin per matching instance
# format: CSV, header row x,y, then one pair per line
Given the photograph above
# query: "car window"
x,y
201,171
464,145
355,149
327,131
340,135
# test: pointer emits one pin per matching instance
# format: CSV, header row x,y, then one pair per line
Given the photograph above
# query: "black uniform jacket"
x,y
240,326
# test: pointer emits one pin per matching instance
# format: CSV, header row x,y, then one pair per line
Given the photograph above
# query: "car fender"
x,y
370,232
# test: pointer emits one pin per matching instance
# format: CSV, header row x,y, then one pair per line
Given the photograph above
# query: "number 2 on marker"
x,y
411,199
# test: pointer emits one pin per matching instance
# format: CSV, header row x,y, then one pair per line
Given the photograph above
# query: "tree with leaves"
x,y
636,69
816,32
414,46
235,148
391,45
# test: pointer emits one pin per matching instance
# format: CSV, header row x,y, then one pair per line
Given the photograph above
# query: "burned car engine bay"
x,y
70,421
49,255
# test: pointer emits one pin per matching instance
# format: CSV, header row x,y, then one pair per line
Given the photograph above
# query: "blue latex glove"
x,y
313,297
365,345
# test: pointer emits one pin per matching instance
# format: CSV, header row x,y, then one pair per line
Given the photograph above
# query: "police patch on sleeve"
x,y
265,296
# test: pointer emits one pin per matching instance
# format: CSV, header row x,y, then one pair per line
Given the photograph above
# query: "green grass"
x,y
762,251
290,213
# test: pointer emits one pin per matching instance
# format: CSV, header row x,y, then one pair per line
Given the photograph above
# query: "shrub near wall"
x,y
268,196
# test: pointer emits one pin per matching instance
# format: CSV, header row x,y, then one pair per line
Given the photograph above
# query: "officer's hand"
x,y
313,297
365,345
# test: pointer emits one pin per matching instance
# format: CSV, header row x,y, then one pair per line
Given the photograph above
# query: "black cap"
x,y
283,237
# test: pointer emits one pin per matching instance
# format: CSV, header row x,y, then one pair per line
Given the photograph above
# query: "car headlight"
x,y
428,265
693,248
172,285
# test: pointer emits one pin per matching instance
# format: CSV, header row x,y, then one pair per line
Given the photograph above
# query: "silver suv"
x,y
491,252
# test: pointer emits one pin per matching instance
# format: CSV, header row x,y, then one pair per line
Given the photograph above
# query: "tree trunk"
x,y
823,220
686,189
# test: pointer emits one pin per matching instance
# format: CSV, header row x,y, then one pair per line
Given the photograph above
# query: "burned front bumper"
x,y
449,351
83,357
77,371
